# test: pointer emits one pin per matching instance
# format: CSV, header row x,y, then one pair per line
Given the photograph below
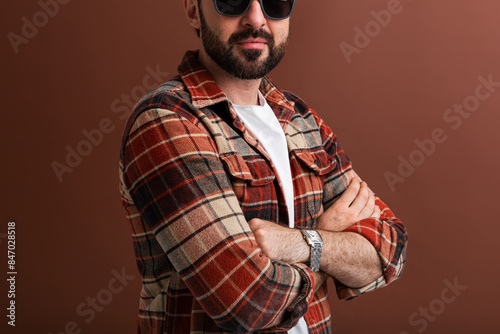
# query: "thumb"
x,y
255,224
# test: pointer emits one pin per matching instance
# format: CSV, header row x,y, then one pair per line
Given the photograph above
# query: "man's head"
x,y
250,42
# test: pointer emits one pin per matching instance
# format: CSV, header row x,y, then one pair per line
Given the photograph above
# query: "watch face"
x,y
313,236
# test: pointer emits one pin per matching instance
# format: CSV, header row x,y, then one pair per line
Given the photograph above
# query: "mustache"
x,y
251,33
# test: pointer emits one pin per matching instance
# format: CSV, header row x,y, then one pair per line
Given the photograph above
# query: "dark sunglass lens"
x,y
231,7
278,9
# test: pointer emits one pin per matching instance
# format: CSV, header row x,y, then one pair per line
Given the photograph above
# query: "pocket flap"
x,y
319,161
238,168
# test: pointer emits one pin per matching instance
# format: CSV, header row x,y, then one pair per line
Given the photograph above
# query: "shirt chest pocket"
x,y
313,167
253,183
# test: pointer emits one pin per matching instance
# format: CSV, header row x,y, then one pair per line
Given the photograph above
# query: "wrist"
x,y
298,250
315,243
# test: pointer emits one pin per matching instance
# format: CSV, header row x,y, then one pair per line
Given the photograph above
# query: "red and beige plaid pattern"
x,y
192,176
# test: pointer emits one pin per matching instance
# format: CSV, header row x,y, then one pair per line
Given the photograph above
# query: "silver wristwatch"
x,y
314,240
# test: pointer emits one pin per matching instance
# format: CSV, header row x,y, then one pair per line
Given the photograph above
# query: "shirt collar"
x,y
205,92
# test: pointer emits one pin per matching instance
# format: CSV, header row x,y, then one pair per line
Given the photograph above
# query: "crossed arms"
x,y
347,256
176,177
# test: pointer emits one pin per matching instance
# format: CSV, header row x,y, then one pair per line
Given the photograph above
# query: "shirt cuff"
x,y
301,303
347,293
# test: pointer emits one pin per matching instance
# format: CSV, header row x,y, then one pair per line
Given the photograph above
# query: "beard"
x,y
248,67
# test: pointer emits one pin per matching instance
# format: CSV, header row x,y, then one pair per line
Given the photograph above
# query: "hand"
x,y
355,204
278,242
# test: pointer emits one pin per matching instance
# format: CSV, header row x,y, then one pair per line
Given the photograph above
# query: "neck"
x,y
240,92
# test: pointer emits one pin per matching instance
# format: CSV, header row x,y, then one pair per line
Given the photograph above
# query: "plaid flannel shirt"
x,y
192,176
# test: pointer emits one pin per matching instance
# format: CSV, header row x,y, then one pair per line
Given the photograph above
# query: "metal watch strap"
x,y
314,240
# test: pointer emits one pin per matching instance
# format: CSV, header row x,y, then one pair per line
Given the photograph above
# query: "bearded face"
x,y
243,63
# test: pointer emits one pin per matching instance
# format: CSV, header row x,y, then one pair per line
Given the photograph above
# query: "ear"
x,y
192,13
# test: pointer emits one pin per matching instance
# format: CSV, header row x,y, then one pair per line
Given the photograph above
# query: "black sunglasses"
x,y
273,9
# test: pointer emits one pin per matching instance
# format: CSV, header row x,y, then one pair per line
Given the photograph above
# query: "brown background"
x,y
72,234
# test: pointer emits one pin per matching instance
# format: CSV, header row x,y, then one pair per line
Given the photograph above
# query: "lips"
x,y
253,43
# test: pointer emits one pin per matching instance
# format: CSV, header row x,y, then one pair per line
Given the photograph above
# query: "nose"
x,y
254,17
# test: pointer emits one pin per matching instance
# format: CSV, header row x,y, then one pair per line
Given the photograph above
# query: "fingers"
x,y
362,198
369,207
363,205
350,193
355,204
376,213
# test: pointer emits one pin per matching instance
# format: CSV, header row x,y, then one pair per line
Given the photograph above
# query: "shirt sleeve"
x,y
388,234
176,180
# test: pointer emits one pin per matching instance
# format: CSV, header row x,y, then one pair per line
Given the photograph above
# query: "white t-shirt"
x,y
262,122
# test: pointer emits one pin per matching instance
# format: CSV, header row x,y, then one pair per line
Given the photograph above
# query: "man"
x,y
240,199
